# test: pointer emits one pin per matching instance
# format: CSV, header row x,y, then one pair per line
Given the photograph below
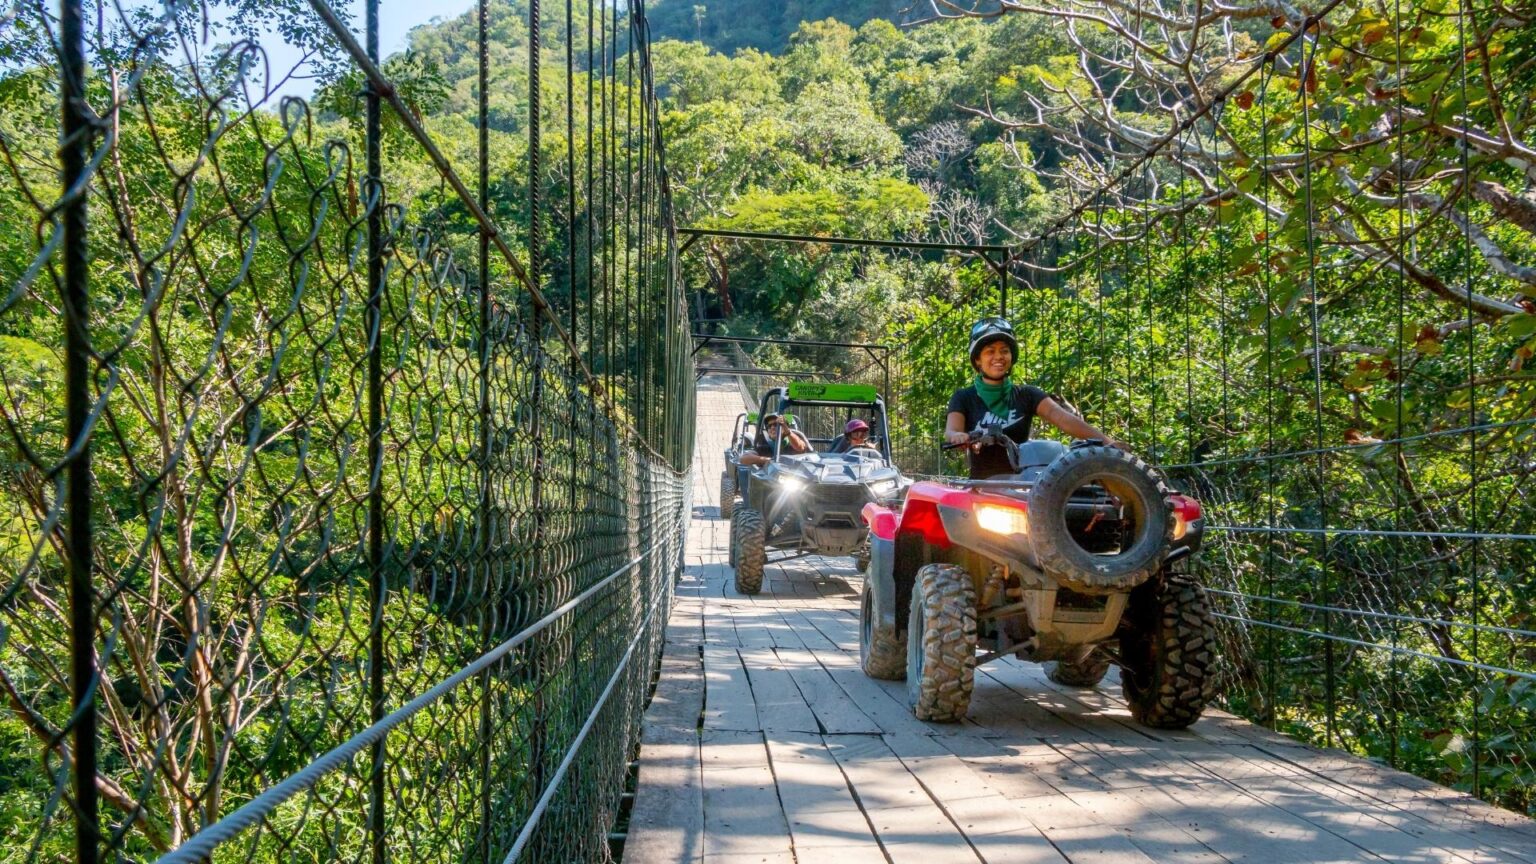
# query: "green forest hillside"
x,y
727,25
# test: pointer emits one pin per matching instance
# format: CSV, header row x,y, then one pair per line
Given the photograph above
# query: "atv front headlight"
x,y
882,488
1002,520
791,485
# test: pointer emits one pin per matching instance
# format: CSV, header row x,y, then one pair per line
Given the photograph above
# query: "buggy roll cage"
x,y
781,400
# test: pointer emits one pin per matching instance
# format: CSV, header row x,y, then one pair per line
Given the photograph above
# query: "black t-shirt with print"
x,y
991,461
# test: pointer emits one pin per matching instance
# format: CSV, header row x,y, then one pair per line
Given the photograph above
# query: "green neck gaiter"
x,y
997,397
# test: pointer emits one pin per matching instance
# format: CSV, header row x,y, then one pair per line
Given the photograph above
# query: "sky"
x,y
396,18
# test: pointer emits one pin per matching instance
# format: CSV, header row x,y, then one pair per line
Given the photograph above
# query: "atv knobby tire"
x,y
1169,652
727,493
1146,502
1087,672
941,643
882,650
747,539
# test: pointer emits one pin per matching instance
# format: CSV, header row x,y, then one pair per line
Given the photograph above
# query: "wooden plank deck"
x,y
765,742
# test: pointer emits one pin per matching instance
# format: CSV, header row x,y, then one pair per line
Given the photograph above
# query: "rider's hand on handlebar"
x,y
958,439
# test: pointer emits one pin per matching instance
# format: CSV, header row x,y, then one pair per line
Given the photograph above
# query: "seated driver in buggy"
x,y
855,434
994,401
773,428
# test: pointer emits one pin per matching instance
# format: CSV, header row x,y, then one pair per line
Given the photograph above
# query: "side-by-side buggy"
x,y
812,503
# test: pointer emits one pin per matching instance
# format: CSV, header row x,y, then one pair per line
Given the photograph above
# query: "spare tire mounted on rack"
x,y
1144,504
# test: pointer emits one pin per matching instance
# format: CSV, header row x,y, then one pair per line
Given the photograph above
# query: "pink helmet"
x,y
855,425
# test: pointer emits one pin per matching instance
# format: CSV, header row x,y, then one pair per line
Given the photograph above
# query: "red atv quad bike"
x,y
1078,560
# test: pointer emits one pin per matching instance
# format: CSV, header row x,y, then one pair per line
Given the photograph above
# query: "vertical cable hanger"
x,y
1400,168
1306,73
1465,13
1223,235
1186,287
1150,312
1266,291
1104,363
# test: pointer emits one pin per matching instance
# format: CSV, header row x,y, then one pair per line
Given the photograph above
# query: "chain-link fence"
x,y
1295,273
342,495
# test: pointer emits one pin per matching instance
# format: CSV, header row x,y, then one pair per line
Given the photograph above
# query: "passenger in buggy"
x,y
774,428
855,434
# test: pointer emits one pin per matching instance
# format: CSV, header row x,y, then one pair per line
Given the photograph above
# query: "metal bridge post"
x,y
485,523
75,154
375,336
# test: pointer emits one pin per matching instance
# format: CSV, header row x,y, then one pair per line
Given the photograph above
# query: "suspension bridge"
x,y
360,503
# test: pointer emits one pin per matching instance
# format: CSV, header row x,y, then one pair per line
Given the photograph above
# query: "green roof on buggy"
x,y
817,391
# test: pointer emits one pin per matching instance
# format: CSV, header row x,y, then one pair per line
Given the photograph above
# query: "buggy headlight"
x,y
1002,520
882,488
1180,525
791,484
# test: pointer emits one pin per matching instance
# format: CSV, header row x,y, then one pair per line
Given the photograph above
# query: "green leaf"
x,y
1520,326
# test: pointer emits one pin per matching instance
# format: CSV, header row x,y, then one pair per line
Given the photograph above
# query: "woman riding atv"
x,y
994,401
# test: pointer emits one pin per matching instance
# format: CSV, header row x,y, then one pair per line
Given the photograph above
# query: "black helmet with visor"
x,y
989,330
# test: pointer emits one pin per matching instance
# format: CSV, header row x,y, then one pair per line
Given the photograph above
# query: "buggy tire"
x,y
861,557
749,535
1140,489
1169,651
941,643
1087,672
727,493
882,649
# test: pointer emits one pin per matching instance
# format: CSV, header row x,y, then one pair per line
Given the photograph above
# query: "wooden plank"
x,y
728,701
742,816
678,700
1005,712
1501,838
667,822
993,825
1364,824
910,825
1024,770
1028,684
824,818
719,628
837,713
806,631
1081,834
780,707
839,628
883,702
685,626
1242,826
749,624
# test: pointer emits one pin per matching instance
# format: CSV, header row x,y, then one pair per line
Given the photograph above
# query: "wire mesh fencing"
x,y
1295,283
342,495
